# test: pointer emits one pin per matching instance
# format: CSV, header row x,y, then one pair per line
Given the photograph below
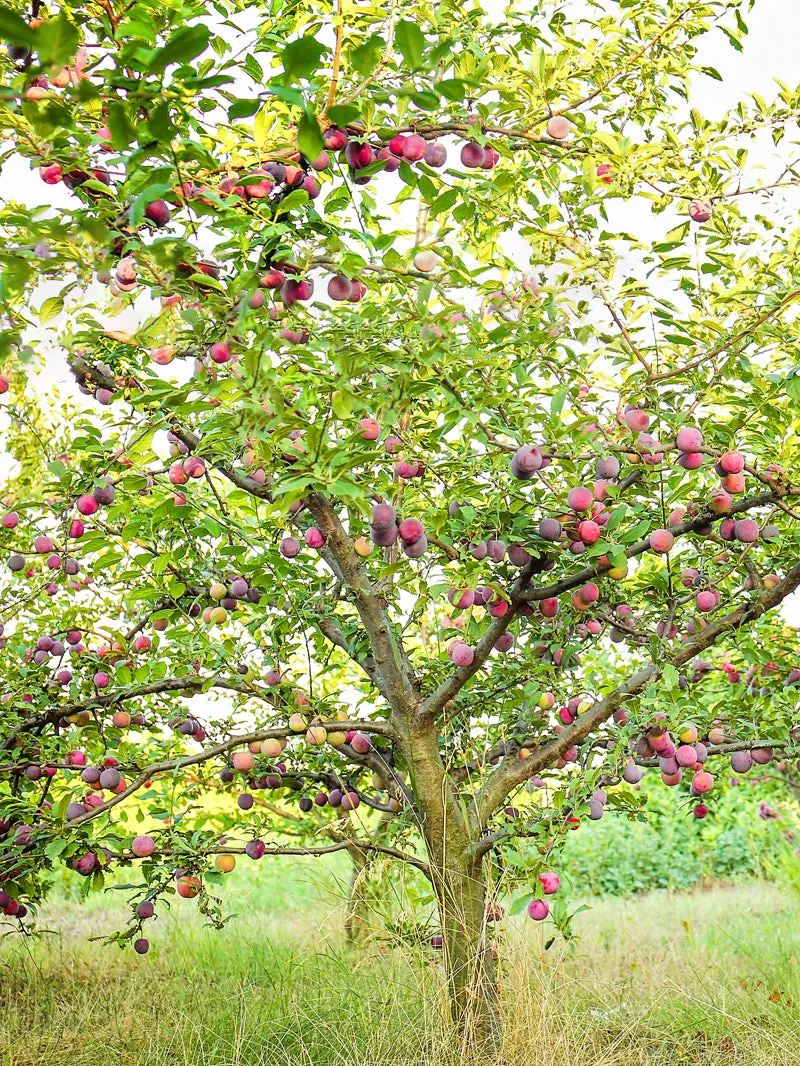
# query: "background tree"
x,y
483,512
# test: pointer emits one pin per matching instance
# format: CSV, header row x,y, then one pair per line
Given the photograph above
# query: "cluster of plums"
x,y
538,909
386,528
277,775
86,504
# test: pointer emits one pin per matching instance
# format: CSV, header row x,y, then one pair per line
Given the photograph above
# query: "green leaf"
x,y
288,95
186,43
670,676
521,903
557,402
51,309
452,89
301,58
56,847
160,124
253,67
342,404
616,516
123,132
444,202
411,42
425,101
617,556
366,56
56,41
343,114
15,30
309,135
243,109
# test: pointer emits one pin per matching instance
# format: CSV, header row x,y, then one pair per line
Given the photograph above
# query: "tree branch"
x,y
509,775
691,525
450,688
394,678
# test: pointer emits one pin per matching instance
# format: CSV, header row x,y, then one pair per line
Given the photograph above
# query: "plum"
x,y
335,139
384,538
661,541
526,461
518,555
699,211
110,778
435,154
425,261
633,774
339,288
289,547
314,538
157,212
86,864
359,154
496,550
580,499
746,530
689,439
686,755
505,642
142,846
702,782
472,155
414,148
550,883
636,420
538,910
410,529
558,127
383,517
731,462
690,460
255,849
87,504
608,467
462,654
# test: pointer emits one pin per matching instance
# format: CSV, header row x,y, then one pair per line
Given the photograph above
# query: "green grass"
x,y
697,978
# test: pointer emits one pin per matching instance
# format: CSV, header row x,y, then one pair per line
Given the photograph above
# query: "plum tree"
x,y
365,525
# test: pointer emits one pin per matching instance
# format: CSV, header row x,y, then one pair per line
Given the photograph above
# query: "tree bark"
x,y
469,961
459,883
356,923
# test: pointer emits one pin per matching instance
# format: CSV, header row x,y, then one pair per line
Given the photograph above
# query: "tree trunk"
x,y
459,884
471,979
356,923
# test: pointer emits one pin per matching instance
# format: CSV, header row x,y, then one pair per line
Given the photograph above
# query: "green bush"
x,y
619,855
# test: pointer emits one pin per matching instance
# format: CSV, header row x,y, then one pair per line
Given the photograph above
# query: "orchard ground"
x,y
707,976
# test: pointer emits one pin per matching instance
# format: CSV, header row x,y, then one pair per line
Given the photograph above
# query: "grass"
x,y
696,978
